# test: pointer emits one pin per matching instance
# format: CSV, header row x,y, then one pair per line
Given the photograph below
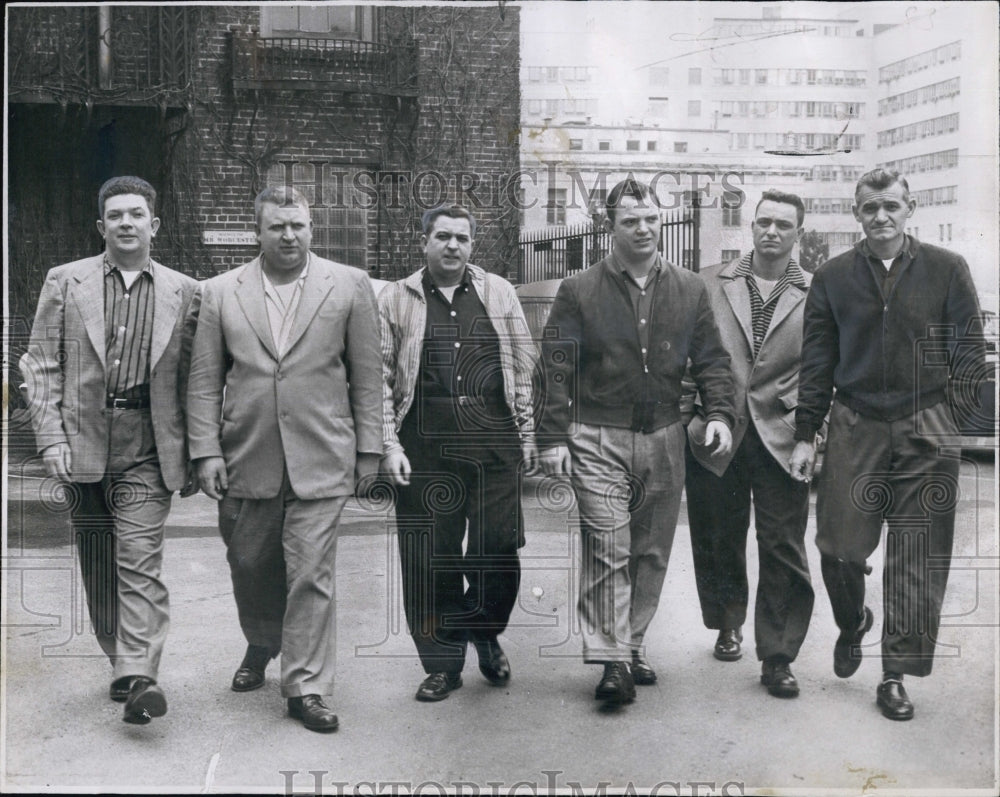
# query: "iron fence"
x,y
557,253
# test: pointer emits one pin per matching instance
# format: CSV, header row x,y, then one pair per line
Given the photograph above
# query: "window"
x,y
604,146
694,76
732,202
318,22
576,143
729,255
694,107
744,77
551,107
534,74
534,106
658,106
680,146
650,146
659,76
555,208
552,74
632,145
760,76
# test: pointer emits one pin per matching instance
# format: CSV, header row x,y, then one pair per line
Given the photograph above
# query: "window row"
x,y
932,161
631,145
921,96
799,141
790,77
924,60
561,74
569,107
938,126
832,174
946,195
743,28
838,240
775,108
828,205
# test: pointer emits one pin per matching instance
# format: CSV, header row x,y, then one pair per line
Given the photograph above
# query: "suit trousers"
x,y
459,483
628,491
879,471
719,516
118,529
282,558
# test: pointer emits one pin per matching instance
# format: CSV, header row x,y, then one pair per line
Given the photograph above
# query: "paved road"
x,y
706,726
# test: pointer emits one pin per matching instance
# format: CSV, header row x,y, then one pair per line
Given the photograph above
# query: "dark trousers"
x,y
118,528
719,515
459,483
877,472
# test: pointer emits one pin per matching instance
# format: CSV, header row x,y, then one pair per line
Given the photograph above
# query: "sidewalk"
x,y
705,721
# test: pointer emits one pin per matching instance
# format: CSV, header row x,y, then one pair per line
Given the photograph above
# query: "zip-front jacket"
x,y
888,356
593,364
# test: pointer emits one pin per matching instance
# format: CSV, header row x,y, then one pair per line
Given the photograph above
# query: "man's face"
x,y
883,212
127,227
775,229
285,234
636,228
447,247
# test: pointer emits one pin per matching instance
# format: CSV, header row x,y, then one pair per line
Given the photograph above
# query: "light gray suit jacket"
x,y
310,410
766,389
64,368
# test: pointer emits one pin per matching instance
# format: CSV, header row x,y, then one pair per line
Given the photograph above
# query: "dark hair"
x,y
880,179
785,199
280,195
452,211
126,184
628,187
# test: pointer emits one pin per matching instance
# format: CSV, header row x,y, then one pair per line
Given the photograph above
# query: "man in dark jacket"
x,y
885,323
615,348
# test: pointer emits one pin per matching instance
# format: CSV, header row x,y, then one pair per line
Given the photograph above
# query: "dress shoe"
x,y
616,685
643,673
145,701
313,712
493,661
250,675
727,646
438,685
893,700
118,691
846,653
777,677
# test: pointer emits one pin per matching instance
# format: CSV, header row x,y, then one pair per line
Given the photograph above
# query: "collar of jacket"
x,y
477,277
910,248
739,268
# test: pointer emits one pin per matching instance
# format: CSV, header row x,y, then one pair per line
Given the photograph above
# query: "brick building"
x,y
374,112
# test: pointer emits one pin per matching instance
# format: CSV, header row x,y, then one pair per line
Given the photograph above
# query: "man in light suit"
x,y
104,372
758,303
284,402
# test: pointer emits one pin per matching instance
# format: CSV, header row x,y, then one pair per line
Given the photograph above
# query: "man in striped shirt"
x,y
105,373
758,303
457,361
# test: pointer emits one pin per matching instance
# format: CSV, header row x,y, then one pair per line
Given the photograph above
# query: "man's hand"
x,y
802,461
191,485
556,461
58,461
717,430
397,467
529,454
212,477
365,473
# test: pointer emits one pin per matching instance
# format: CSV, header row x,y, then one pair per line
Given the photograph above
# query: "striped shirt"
x,y
128,331
761,310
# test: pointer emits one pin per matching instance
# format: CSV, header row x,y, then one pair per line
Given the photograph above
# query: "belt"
x,y
128,403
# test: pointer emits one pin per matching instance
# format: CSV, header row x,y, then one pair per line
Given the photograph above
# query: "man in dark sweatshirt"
x,y
615,348
885,325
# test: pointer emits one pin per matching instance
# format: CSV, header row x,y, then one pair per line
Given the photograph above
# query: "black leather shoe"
x,y
643,673
893,700
118,691
145,701
616,685
438,685
250,675
727,646
777,677
313,712
493,661
847,653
